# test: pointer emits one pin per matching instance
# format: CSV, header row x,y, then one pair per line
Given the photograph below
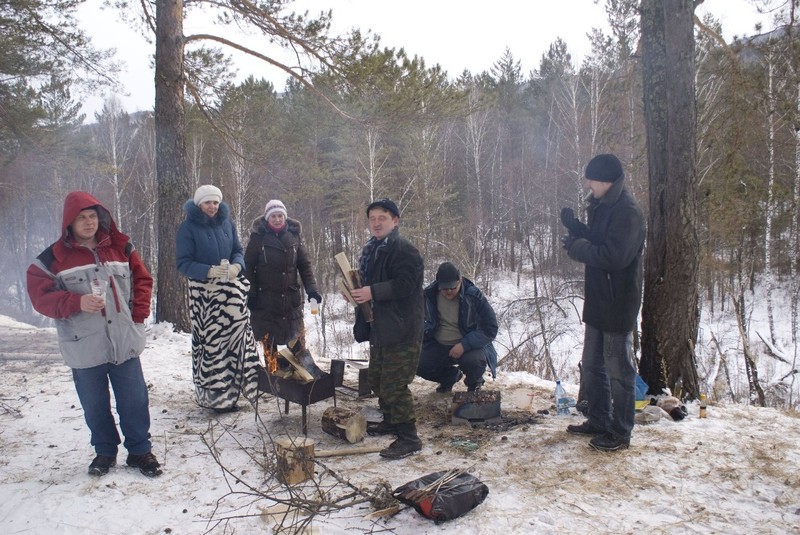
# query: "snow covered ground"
x,y
734,472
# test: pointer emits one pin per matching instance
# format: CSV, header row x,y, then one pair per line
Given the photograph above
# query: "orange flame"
x,y
270,356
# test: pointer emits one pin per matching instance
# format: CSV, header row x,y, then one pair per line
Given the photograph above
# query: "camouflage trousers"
x,y
391,370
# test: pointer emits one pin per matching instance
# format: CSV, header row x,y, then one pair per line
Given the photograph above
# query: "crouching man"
x,y
460,326
96,287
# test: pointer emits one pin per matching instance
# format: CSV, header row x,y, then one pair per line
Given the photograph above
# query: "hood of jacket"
x,y
198,217
81,200
259,226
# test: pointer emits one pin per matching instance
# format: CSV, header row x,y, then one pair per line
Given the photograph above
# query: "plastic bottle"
x,y
225,263
703,406
679,388
314,306
562,401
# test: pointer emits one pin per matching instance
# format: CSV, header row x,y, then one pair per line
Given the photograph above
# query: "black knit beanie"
x,y
604,168
386,204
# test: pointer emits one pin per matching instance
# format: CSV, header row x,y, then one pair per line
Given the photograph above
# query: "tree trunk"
x,y
344,423
173,184
670,311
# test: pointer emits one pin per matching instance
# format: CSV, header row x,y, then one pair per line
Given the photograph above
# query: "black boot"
x,y
407,443
381,428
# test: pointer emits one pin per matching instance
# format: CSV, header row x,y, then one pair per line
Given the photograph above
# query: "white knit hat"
x,y
207,193
274,206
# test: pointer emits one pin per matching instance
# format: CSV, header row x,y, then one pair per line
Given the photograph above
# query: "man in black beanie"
x,y
460,326
392,272
611,248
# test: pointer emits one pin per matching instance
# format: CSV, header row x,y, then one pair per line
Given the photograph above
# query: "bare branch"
x,y
299,77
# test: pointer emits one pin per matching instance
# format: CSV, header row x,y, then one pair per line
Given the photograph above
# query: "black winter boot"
x,y
407,443
381,428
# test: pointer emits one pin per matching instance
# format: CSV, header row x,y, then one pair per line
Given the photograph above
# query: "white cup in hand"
x,y
99,288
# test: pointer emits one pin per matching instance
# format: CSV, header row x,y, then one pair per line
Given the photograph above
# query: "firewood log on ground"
x,y
344,423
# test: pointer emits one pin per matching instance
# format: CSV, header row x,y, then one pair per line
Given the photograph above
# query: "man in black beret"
x,y
391,272
610,247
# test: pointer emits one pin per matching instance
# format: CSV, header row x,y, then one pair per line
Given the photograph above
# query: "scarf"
x,y
365,263
276,230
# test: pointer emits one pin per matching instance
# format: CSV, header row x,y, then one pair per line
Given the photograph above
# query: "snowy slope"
x,y
735,472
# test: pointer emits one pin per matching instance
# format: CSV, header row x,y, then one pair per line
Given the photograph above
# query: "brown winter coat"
x,y
276,264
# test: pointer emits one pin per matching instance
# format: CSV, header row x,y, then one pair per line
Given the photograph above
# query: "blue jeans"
x,y
609,378
436,365
130,392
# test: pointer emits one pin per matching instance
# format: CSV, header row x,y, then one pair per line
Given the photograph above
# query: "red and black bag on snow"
x,y
452,499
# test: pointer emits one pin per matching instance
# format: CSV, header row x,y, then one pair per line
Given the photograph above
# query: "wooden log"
x,y
295,460
352,280
302,359
299,372
344,423
345,291
349,451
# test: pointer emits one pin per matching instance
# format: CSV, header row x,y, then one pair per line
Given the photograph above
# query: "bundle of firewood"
x,y
351,280
292,362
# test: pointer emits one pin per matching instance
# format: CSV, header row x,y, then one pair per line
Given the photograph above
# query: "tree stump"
x,y
344,423
295,459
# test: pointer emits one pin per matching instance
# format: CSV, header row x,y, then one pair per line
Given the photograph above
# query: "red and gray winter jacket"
x,y
64,271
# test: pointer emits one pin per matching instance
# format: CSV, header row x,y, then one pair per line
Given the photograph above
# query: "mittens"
x,y
568,218
217,272
573,224
231,271
314,295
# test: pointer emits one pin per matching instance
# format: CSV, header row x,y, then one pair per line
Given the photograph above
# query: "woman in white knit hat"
x,y
277,262
209,254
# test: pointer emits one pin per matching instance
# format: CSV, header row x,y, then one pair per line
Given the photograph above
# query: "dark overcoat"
x,y
612,253
277,264
396,277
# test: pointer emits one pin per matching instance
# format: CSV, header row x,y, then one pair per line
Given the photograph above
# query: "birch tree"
x,y
116,141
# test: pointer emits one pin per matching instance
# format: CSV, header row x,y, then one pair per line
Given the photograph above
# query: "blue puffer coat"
x,y
476,320
202,241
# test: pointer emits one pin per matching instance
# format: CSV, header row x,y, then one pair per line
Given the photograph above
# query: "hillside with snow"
x,y
734,472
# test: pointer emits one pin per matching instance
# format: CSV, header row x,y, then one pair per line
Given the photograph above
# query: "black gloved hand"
x,y
314,295
567,241
567,218
573,224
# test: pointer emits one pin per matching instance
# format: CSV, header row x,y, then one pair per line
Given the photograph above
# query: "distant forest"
x,y
480,164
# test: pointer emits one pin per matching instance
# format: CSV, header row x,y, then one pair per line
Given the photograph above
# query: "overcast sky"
x,y
456,34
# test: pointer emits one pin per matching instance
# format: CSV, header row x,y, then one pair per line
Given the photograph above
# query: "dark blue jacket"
x,y
612,253
476,320
202,242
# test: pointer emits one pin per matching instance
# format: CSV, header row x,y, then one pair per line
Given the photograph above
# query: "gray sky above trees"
x,y
457,34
